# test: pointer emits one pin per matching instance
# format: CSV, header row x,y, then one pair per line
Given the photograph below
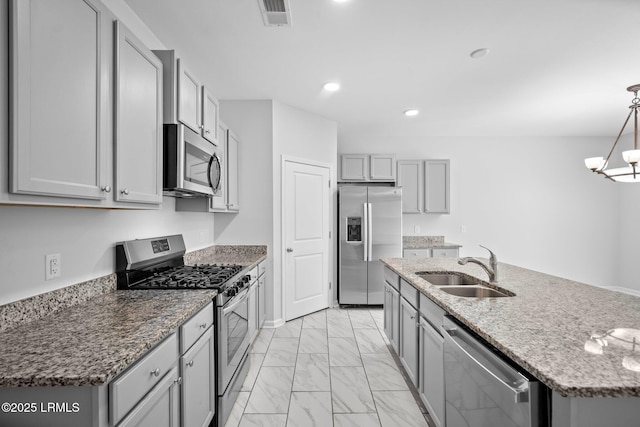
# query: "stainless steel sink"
x,y
449,279
473,291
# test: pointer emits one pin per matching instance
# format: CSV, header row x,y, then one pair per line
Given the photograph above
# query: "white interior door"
x,y
306,213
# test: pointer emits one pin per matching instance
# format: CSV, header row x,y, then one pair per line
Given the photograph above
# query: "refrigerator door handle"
x,y
369,231
365,234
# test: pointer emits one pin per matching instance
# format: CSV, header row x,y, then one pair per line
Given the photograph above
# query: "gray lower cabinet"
x,y
252,308
408,345
198,395
160,408
431,381
392,315
262,268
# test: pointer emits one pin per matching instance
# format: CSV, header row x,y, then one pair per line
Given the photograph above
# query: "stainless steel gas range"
x,y
158,263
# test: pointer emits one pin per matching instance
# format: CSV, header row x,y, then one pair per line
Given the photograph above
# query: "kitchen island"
x,y
544,329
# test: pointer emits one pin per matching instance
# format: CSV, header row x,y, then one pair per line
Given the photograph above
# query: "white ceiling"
x,y
555,67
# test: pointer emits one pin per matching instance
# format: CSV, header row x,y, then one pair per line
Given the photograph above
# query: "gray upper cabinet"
x,y
186,100
218,201
436,186
368,167
138,120
410,179
425,186
210,114
60,128
233,197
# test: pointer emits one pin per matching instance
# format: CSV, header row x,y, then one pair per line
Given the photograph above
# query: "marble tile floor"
x,y
330,368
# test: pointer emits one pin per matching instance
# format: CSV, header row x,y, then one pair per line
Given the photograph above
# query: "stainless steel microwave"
x,y
191,163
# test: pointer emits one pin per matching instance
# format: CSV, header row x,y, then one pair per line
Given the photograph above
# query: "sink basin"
x,y
448,279
473,291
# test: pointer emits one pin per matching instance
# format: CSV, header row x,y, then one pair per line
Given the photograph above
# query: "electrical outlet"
x,y
463,228
53,266
416,229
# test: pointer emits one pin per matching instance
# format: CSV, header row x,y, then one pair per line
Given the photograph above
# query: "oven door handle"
x,y
240,297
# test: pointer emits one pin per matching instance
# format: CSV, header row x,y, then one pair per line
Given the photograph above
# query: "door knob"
x,y
289,249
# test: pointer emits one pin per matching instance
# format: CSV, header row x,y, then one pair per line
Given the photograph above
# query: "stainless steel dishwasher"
x,y
482,389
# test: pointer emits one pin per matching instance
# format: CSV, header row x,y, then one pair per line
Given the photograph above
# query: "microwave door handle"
x,y
241,299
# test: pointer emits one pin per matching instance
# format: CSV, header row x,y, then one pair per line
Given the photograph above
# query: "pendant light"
x,y
629,173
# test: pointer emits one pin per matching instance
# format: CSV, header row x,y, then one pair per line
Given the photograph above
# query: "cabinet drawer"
x,y
392,278
409,293
416,253
444,253
193,328
431,312
126,391
262,267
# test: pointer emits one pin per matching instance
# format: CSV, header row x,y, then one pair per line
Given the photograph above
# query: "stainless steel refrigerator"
x,y
370,228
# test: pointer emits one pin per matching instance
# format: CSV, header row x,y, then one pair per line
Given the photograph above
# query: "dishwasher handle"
x,y
458,337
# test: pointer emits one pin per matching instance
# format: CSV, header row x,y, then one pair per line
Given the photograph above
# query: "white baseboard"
x,y
624,290
271,324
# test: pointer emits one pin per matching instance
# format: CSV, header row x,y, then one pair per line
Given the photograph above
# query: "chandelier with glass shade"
x,y
630,173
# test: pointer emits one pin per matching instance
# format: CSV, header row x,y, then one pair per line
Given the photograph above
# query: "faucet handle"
x,y
493,256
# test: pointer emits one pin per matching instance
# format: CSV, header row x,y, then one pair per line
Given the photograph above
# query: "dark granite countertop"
x,y
92,342
545,327
88,333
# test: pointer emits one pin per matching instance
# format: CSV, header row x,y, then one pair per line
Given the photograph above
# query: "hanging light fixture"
x,y
629,173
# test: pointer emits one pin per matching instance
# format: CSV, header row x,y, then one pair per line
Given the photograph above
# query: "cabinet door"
x,y
261,295
160,408
188,98
431,370
416,253
138,120
409,339
210,111
395,320
198,382
436,186
445,253
59,129
410,179
218,201
354,167
233,204
388,311
382,167
252,309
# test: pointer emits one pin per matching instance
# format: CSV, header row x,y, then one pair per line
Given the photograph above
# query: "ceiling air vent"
x,y
275,13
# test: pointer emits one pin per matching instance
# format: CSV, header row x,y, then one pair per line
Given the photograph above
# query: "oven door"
x,y
233,337
191,165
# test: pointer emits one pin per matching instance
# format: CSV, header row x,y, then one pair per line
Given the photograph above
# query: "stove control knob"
x,y
232,292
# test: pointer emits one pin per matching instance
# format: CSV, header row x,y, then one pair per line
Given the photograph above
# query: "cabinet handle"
x,y
125,191
156,372
190,363
179,380
207,131
412,317
203,325
106,189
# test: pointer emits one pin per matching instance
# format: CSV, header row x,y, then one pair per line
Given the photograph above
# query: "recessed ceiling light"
x,y
479,53
411,113
332,86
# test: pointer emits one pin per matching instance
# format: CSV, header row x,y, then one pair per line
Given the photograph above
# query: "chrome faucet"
x,y
492,270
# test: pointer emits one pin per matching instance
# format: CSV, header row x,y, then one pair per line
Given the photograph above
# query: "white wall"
x,y
298,134
269,130
531,200
84,237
